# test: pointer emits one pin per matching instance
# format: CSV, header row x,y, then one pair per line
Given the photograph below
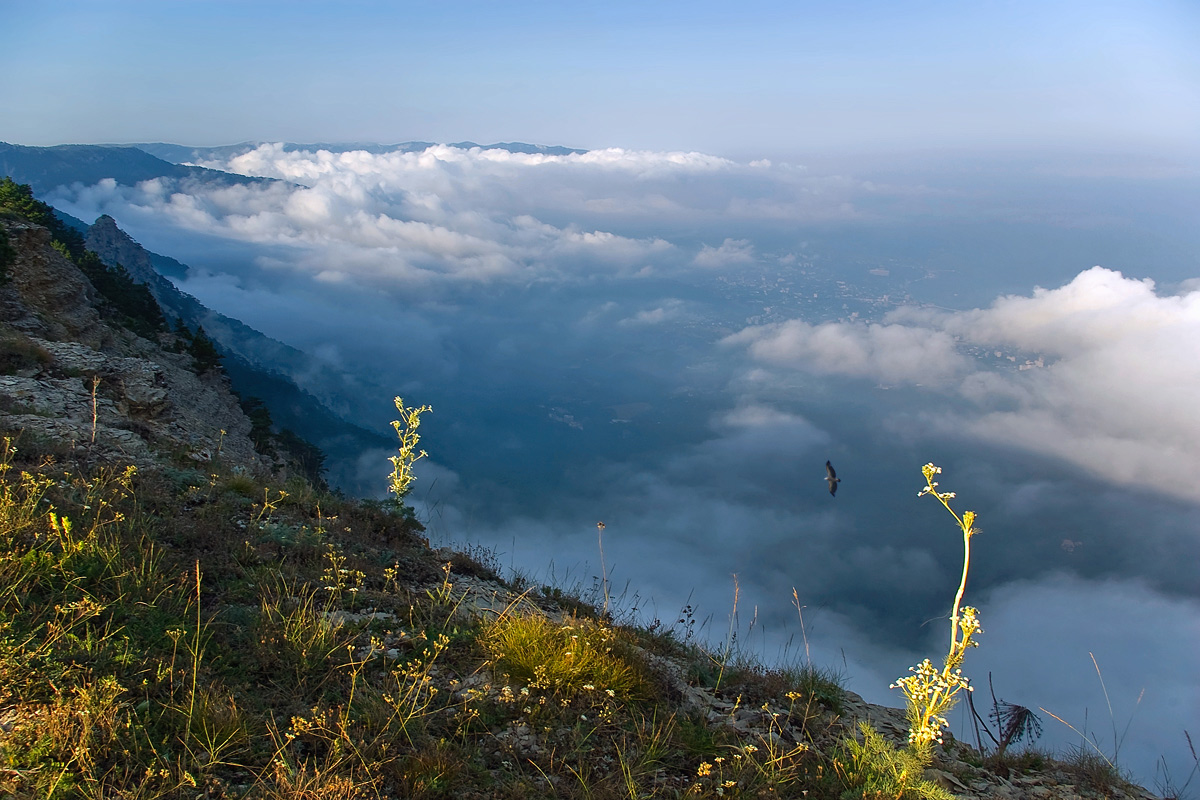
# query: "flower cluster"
x,y
929,470
931,690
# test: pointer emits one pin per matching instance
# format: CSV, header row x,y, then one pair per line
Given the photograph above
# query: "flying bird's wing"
x,y
831,476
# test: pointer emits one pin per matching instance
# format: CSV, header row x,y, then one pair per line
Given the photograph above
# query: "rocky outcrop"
x,y
46,295
84,384
244,348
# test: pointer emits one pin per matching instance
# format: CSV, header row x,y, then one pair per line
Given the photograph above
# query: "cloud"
x,y
448,216
1102,372
731,253
891,353
669,310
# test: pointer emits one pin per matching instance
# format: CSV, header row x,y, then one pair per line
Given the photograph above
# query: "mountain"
x,y
521,147
45,168
287,380
76,373
180,154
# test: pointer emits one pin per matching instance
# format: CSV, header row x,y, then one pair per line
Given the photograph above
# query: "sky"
x,y
759,79
959,233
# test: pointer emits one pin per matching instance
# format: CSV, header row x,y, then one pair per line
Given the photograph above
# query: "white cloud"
x,y
669,311
731,253
446,214
1114,394
882,352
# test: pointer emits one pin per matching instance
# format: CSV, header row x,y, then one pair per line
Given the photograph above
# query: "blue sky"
x,y
767,79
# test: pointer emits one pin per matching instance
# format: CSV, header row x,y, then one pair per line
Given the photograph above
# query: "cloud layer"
x,y
447,215
675,343
1102,373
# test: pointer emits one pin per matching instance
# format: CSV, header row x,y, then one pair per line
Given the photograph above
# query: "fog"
x,y
674,344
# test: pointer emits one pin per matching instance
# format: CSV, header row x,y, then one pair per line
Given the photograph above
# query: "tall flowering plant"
x,y
402,464
931,692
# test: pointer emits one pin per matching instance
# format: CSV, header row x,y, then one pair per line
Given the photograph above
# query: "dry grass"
x,y
187,635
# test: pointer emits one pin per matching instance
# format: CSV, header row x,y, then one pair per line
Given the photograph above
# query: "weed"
x,y
563,658
1085,739
296,636
402,463
872,768
1092,769
931,692
1166,784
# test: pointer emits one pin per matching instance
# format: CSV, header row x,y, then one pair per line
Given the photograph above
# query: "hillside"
x,y
45,168
180,616
290,383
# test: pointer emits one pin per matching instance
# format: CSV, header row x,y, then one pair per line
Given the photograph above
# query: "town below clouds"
x,y
675,343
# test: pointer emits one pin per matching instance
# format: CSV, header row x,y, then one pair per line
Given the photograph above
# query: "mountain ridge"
x,y
46,168
286,379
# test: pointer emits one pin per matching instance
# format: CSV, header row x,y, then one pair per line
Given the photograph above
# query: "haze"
x,y
760,79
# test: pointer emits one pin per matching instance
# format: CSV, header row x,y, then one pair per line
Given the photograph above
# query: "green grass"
x,y
180,634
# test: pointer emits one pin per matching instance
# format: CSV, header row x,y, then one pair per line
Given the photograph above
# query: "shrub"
x,y
563,657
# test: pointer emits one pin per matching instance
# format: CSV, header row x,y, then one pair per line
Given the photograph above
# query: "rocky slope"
x,y
294,386
77,379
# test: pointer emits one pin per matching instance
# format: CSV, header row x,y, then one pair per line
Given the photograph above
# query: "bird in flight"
x,y
831,476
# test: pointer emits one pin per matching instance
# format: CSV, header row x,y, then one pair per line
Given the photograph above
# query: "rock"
x,y
95,385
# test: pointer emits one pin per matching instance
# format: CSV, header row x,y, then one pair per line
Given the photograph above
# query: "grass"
x,y
181,634
187,634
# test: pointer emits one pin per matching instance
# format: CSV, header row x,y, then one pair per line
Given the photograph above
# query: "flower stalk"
x,y
931,692
402,464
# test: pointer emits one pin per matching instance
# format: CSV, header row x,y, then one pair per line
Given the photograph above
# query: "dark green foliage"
x,y
138,309
17,202
260,424
205,355
304,456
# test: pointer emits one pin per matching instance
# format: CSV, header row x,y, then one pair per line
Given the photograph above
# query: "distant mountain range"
x,y
180,154
46,168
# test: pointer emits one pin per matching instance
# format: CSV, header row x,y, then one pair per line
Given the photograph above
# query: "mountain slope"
x,y
71,374
45,168
287,380
179,154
